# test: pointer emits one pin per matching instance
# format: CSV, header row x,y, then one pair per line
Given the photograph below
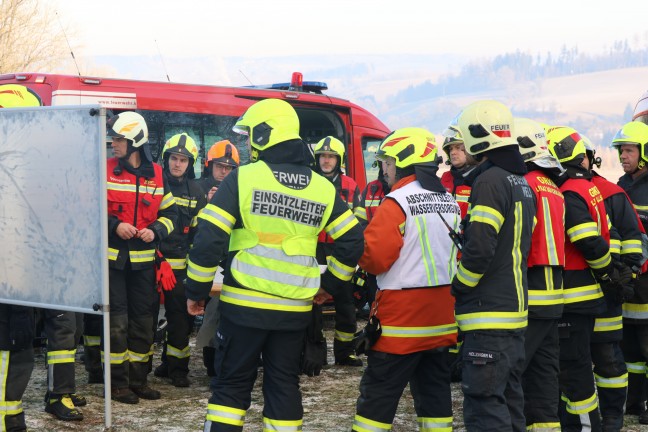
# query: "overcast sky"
x,y
262,28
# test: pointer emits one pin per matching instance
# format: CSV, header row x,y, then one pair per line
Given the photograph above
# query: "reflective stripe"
x,y
167,201
487,215
177,263
581,231
183,202
116,358
615,246
343,336
177,352
545,298
341,225
428,257
339,269
516,255
246,264
581,407
492,320
142,256
360,213
608,324
91,340
364,424
200,273
552,251
259,300
225,414
270,425
113,254
410,332
600,263
434,424
62,356
9,408
544,427
581,294
631,246
467,277
138,357
401,228
635,311
612,382
167,224
217,216
636,368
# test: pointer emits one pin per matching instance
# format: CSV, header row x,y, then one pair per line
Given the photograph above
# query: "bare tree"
x,y
31,38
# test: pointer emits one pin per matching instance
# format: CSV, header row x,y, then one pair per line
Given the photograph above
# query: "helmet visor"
x,y
241,129
621,137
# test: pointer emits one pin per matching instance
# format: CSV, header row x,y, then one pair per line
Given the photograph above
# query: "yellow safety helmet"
x,y
17,96
531,138
181,144
486,125
268,123
566,144
129,125
330,145
633,133
409,146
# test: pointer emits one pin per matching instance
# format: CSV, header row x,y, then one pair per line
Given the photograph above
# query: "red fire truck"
x,y
207,113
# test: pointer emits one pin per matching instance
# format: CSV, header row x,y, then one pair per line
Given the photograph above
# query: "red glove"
x,y
163,273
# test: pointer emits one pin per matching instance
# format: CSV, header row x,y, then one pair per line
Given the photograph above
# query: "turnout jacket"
x,y
636,310
547,254
587,250
273,213
625,245
144,201
454,182
190,199
491,282
408,247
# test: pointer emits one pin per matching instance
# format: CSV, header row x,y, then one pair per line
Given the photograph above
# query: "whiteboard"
x,y
53,217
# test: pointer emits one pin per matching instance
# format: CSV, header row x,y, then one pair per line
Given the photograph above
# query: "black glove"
x,y
21,328
617,282
360,288
314,352
368,336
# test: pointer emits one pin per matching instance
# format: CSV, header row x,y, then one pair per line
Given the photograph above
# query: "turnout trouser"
x,y
60,329
578,401
133,294
345,322
179,324
491,381
635,352
237,360
540,376
611,377
385,378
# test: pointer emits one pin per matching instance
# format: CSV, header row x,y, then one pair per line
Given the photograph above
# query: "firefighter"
x,y
610,370
16,322
329,156
274,210
141,213
631,141
179,155
413,303
490,286
221,159
588,269
454,179
545,264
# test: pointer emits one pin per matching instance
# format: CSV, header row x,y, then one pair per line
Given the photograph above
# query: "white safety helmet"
x,y
129,125
486,125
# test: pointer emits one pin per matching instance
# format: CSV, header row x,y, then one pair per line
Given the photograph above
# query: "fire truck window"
x,y
315,124
369,147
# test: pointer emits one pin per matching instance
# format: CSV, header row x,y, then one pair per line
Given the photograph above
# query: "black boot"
x,y
146,392
63,408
